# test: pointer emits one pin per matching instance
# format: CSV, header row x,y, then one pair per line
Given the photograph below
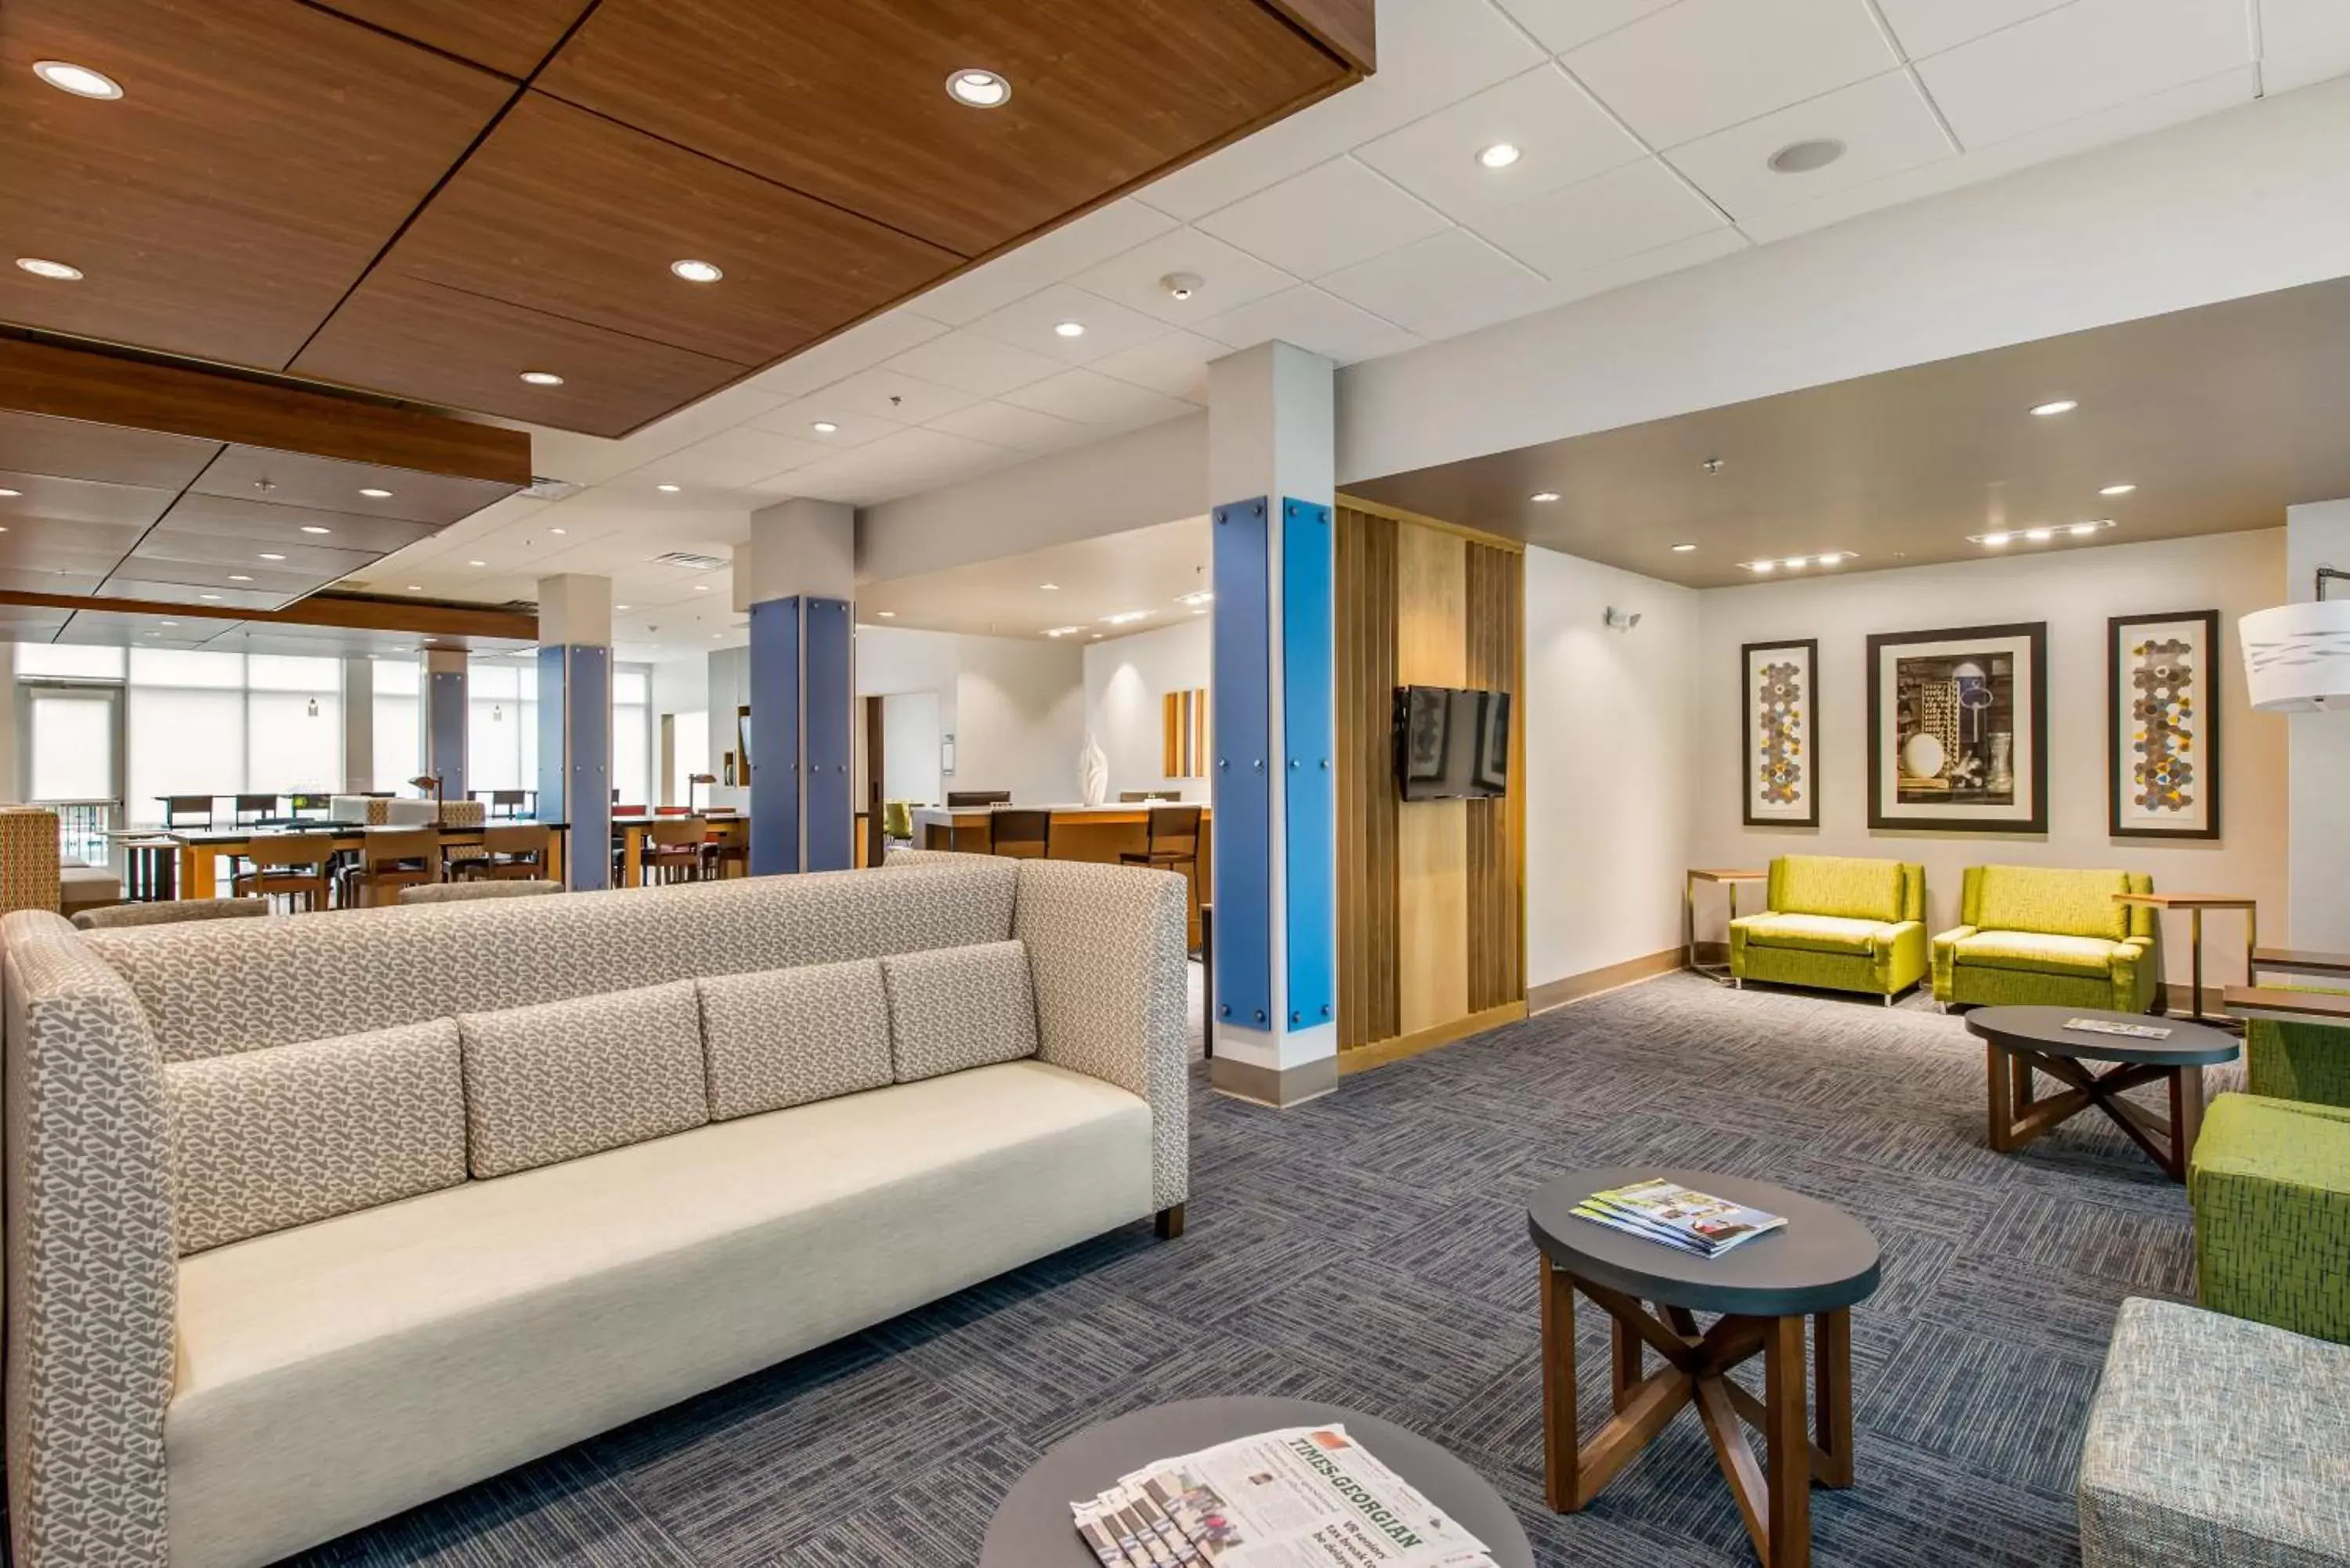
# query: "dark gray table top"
x,y
1821,1260
2042,1029
1033,1528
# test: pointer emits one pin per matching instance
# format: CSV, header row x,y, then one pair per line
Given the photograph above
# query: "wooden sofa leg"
x,y
1169,1223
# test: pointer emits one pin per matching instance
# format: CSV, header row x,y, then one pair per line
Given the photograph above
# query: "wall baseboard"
x,y
1591,982
1380,1053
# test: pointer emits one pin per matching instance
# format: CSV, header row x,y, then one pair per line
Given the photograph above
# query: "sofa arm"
x,y
2307,1061
93,1275
2269,1184
1896,956
1106,946
2137,971
1946,959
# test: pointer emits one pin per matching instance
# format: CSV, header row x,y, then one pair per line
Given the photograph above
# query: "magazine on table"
x,y
2113,1026
1301,1497
1695,1222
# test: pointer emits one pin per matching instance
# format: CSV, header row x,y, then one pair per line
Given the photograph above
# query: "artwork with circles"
x,y
1778,687
2162,739
1958,730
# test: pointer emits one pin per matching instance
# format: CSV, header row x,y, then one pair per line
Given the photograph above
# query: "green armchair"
x,y
2035,936
1837,923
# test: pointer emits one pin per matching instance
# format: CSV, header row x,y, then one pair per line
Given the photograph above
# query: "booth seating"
x,y
2031,936
1837,923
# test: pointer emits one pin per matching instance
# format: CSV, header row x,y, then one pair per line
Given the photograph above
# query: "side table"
x,y
2025,1040
2195,904
1730,880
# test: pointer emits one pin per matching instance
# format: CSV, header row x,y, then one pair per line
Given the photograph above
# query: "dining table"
x,y
202,847
628,833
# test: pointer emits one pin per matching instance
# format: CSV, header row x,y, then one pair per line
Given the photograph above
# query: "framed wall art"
x,y
1778,689
2162,725
1958,729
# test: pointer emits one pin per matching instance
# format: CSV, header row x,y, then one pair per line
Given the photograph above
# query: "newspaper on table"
x,y
1303,1496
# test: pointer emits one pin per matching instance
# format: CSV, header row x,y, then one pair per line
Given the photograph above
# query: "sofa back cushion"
x,y
264,1140
959,1008
1845,886
786,1036
2060,903
237,985
565,1079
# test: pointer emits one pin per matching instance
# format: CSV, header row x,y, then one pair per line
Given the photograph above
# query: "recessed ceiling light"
x,y
238,577
1063,630
316,528
1050,587
271,555
2082,530
209,598
1803,157
2040,535
1683,549
1797,563
886,615
375,493
975,88
1544,495
78,81
1761,565
167,623
542,378
10,495
1203,596
40,266
1994,540
562,531
2060,406
1500,155
668,489
701,587
620,606
1068,329
416,587
2118,490
477,563
696,270
824,426
1180,285
1124,617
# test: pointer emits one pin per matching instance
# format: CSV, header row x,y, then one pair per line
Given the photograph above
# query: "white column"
x,y
2318,785
358,725
574,719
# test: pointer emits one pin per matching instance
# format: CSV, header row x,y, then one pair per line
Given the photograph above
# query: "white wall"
x,y
2073,591
1020,718
909,747
1610,753
2319,535
1126,679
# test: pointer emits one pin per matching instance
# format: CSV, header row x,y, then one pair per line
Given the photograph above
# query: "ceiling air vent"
x,y
687,561
551,490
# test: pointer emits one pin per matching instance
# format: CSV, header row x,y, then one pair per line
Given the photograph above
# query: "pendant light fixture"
x,y
2297,656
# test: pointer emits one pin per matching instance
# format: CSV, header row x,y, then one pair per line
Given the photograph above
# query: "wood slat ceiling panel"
x,y
417,339
281,587
220,209
300,481
40,544
267,527
510,36
71,501
73,448
610,208
848,103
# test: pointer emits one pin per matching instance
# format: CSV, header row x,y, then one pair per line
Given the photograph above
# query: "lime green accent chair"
x,y
1837,923
2307,1062
2270,1182
2033,936
896,820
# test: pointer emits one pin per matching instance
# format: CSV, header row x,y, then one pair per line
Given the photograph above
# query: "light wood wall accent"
x,y
1184,739
1432,837
1496,894
1366,596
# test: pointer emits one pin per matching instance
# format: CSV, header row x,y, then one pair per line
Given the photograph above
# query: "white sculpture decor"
x,y
1093,773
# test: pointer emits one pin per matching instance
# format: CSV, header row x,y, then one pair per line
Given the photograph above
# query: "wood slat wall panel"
x,y
1432,837
1496,882
1369,998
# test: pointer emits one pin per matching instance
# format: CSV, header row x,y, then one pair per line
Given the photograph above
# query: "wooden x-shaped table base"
x,y
2017,1116
1801,1447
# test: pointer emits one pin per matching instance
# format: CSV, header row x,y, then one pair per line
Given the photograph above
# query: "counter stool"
x,y
1020,833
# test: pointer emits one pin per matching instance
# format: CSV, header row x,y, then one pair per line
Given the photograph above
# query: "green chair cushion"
x,y
1812,933
2038,953
1845,886
2061,903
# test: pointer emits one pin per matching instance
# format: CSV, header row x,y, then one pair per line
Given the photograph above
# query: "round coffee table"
x,y
1817,1267
2021,1041
1031,1529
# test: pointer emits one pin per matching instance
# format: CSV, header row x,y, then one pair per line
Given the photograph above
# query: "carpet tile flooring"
x,y
1369,1249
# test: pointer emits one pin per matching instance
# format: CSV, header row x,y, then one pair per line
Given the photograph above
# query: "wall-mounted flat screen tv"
x,y
1451,745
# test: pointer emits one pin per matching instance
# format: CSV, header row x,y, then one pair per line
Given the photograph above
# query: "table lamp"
x,y
694,781
430,781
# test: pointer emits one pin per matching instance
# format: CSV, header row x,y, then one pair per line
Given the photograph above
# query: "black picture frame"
x,y
1747,696
2029,637
2118,824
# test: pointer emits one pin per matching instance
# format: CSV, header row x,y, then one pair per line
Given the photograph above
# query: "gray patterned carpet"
x,y
1370,1249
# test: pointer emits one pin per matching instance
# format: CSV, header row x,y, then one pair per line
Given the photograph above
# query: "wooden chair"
x,y
298,806
506,802
971,799
673,851
290,866
630,811
729,845
1172,842
514,851
390,859
252,810
196,809
674,811
1020,833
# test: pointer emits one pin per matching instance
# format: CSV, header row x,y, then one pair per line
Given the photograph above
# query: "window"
x,y
502,723
66,659
690,754
399,720
186,728
632,728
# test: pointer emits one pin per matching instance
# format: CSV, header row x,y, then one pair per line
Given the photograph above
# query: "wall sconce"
x,y
1621,619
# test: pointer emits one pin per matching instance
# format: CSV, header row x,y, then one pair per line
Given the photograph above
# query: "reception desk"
x,y
1097,833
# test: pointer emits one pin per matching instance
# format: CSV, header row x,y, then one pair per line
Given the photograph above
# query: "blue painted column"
x,y
575,721
1274,1012
797,580
445,717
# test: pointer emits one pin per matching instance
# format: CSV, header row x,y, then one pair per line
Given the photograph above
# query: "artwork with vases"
x,y
2162,725
1958,730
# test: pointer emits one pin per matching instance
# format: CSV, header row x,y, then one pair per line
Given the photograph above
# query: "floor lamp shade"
x,y
2297,656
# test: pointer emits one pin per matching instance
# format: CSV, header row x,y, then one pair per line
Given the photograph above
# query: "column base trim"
x,y
1278,1087
1591,982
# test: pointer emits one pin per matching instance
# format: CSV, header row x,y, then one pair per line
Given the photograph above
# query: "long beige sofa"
x,y
314,1218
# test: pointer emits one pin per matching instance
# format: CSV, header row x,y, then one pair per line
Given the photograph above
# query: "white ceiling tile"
x,y
1885,123
1702,65
1924,27
1620,213
1432,53
1007,424
1695,251
1564,25
1030,324
1093,399
867,343
2302,41
1175,364
851,428
1562,134
972,362
778,452
1228,276
1049,257
712,470
831,480
894,395
1445,285
1323,219
1311,318
2089,55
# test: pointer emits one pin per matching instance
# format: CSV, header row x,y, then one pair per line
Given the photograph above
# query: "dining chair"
x,y
674,811
197,809
630,811
1021,833
1172,842
673,851
728,845
298,806
392,858
291,866
252,810
510,851
506,802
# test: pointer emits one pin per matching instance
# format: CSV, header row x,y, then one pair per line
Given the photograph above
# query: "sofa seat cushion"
x,y
1813,933
2215,1440
575,1297
567,1078
957,1008
783,1037
2061,903
2039,952
1846,887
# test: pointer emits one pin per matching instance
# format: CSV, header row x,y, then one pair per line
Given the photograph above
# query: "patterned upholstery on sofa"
x,y
2029,934
2270,1182
1838,923
170,912
362,1305
2215,1443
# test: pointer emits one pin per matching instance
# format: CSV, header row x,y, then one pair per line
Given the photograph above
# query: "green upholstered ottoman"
x,y
2270,1182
